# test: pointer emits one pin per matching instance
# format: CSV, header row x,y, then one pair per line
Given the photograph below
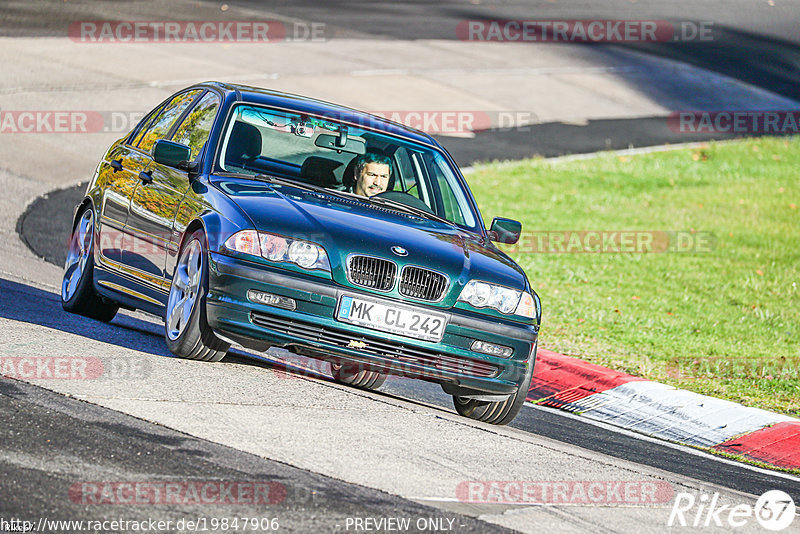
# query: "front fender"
x,y
205,207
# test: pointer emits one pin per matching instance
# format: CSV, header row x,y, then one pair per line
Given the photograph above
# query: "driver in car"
x,y
372,173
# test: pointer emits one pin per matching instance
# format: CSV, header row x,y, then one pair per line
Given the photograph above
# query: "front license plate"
x,y
395,319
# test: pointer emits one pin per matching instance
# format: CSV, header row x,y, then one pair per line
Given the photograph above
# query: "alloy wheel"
x,y
80,248
185,289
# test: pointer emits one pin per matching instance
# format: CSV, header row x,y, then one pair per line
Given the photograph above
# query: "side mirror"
x,y
172,154
505,230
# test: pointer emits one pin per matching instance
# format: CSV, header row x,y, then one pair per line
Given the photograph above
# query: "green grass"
x,y
722,322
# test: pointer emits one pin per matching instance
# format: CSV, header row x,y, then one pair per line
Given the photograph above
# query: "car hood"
x,y
348,226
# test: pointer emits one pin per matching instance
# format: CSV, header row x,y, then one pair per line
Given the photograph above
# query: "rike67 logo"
x,y
775,511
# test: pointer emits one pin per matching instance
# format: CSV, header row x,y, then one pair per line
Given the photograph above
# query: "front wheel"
x,y
77,286
498,412
187,332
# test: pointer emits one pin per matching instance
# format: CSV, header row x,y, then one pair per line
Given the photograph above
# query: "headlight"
x,y
277,248
274,247
483,295
303,253
526,307
245,242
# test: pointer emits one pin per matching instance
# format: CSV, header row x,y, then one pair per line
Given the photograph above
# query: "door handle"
x,y
146,177
116,164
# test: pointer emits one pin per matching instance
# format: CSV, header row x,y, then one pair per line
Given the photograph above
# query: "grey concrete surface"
x,y
53,444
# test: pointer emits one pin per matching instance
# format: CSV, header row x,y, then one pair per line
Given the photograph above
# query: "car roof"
x,y
313,106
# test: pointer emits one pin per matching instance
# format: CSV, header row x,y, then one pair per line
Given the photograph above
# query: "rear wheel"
x,y
77,286
357,376
187,332
498,412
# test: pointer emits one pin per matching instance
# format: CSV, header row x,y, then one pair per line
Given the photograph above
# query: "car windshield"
x,y
341,157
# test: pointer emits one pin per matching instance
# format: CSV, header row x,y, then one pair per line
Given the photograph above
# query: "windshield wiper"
x,y
307,186
413,210
270,179
392,204
282,181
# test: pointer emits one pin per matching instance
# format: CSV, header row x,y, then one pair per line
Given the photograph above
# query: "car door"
x,y
118,176
156,200
149,214
193,132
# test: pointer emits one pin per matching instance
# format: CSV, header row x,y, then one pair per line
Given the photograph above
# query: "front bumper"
x,y
313,329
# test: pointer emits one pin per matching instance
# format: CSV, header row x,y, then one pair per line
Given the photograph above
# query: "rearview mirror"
x,y
341,143
505,230
171,154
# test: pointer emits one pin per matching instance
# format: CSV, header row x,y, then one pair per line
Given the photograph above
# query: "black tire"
x,y
357,376
77,286
192,338
498,412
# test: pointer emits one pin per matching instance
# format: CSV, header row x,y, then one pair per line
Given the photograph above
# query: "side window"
x,y
406,177
163,123
449,202
195,128
138,132
421,186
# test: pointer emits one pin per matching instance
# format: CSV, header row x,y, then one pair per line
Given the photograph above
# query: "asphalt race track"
x,y
44,460
329,453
